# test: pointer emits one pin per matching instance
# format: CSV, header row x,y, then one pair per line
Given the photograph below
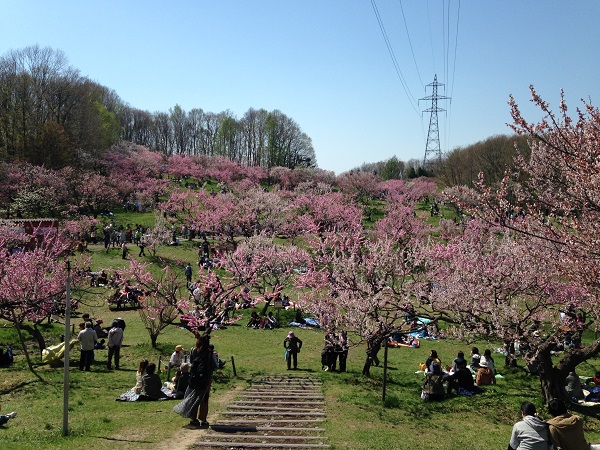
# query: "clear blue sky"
x,y
325,63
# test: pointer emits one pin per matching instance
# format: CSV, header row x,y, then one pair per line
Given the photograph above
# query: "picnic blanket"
x,y
131,396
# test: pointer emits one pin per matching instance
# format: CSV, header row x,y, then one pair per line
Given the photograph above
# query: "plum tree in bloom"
x,y
553,197
364,284
321,213
494,284
264,266
162,302
160,234
33,280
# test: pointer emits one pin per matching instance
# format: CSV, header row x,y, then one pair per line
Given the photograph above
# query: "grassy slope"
x,y
357,418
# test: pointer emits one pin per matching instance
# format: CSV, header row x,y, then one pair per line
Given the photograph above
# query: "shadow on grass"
x,y
106,438
17,386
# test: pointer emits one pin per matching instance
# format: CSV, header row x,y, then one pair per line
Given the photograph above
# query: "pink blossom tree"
x,y
162,301
33,276
552,198
494,284
364,283
265,266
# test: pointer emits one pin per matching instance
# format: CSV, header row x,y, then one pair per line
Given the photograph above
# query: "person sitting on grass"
x,y
181,380
152,385
433,358
254,321
4,418
484,376
573,387
433,387
566,430
460,357
139,376
487,358
462,381
475,359
531,433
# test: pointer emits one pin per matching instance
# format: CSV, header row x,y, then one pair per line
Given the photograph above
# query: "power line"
x,y
410,42
449,115
394,61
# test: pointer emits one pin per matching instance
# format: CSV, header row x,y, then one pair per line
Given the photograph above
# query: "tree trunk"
x,y
263,312
153,339
35,334
552,377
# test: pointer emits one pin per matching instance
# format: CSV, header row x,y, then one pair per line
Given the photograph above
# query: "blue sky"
x,y
325,63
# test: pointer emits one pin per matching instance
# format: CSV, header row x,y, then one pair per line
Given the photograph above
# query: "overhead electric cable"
x,y
410,43
410,97
431,38
449,114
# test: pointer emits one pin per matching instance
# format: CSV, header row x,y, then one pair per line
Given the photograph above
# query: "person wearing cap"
x,y
484,376
487,357
177,357
115,340
87,337
292,346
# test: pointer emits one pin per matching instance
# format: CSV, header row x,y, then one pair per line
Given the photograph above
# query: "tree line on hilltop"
x,y
51,115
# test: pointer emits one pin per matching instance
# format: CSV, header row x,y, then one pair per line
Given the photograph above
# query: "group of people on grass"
x,y
465,379
335,349
268,322
88,338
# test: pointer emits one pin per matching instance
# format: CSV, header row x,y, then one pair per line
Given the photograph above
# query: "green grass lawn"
x,y
357,418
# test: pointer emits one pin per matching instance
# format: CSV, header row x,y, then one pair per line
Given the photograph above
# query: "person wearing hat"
x,y
485,375
177,357
292,346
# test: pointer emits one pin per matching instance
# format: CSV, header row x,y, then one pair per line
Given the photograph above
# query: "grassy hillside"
x,y
356,416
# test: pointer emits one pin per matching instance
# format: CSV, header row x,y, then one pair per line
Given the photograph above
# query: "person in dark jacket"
x,y
152,384
433,387
292,346
462,381
194,405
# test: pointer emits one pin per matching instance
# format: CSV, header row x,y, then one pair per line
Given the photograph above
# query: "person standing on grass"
x,y
115,340
87,337
142,247
124,250
195,401
188,273
292,346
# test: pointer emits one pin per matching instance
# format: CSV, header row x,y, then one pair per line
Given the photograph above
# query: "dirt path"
x,y
187,436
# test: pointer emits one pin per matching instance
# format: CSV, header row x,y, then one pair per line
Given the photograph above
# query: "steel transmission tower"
x,y
433,150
